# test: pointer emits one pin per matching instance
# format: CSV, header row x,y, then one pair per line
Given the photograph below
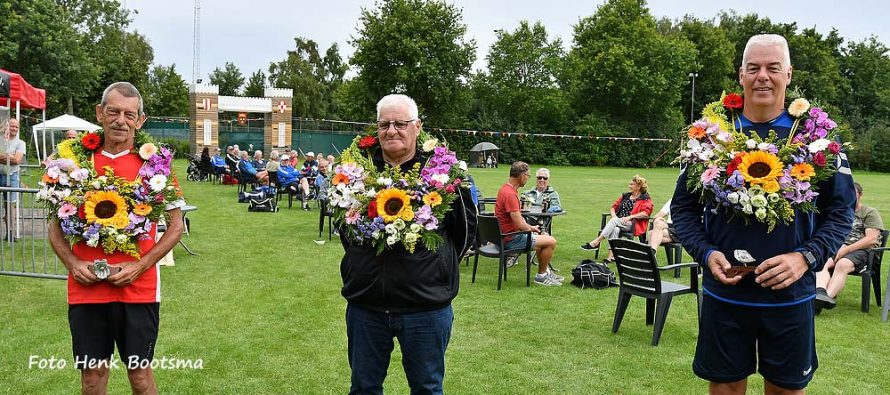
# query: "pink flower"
x,y
710,174
67,210
819,159
834,147
449,188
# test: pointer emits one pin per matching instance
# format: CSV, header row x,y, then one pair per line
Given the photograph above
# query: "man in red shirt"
x,y
509,215
124,308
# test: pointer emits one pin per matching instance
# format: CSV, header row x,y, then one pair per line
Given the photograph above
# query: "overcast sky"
x,y
253,33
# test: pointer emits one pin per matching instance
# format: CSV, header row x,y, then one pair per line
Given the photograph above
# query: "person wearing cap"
x,y
287,175
308,173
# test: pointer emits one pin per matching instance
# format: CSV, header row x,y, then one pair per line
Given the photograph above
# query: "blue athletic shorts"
x,y
736,340
519,242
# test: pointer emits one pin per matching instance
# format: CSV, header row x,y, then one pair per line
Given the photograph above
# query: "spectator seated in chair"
x,y
273,164
509,215
217,162
258,162
852,257
662,229
630,206
249,174
543,193
308,173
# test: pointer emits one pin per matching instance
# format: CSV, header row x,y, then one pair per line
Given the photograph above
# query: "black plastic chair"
x,y
627,234
490,244
482,205
325,211
871,275
640,275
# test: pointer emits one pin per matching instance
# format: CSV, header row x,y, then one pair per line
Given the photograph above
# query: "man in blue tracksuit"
x,y
762,322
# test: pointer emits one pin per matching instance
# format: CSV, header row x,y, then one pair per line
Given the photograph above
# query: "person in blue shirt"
x,y
762,322
217,162
287,176
249,173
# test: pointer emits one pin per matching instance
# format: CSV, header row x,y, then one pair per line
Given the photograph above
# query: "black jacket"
x,y
397,281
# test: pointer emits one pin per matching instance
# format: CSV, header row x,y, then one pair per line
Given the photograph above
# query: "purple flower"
x,y
736,180
424,217
819,133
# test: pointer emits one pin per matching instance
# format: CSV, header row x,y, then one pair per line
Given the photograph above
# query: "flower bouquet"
x,y
107,210
764,179
387,207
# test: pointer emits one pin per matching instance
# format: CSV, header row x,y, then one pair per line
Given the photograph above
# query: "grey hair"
x,y
544,171
766,40
244,154
395,100
258,152
274,154
127,90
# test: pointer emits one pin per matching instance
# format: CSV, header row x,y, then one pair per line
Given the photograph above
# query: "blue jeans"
x,y
423,338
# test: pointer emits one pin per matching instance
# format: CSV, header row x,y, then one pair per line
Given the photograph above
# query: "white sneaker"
x,y
510,260
546,279
555,276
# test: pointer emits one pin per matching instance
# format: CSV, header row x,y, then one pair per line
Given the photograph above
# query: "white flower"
x,y
758,201
399,223
724,136
376,234
430,145
121,238
692,144
442,178
52,172
93,241
371,193
733,197
80,174
744,199
747,209
462,165
774,197
96,184
170,188
411,237
390,228
760,213
391,240
416,228
819,145
384,181
103,179
158,182
751,144
147,150
763,146
798,107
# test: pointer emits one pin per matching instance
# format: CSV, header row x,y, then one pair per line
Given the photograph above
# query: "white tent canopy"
x,y
63,122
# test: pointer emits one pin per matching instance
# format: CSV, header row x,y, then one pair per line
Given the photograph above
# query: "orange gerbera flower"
x,y
142,209
803,171
432,199
696,132
340,177
49,180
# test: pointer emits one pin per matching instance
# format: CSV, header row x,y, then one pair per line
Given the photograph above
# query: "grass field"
x,y
260,306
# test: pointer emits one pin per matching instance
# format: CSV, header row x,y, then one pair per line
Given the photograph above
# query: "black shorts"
x,y
735,340
96,328
859,259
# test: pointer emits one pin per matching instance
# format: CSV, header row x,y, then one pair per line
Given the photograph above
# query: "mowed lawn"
x,y
260,306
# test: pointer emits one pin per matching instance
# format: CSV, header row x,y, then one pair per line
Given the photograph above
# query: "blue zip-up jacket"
x,y
703,229
287,175
247,167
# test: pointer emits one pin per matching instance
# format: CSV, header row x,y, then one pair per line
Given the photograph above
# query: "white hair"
x,y
258,153
768,40
397,100
544,171
126,89
274,154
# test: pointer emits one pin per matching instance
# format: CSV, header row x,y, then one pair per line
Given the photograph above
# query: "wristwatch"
x,y
809,257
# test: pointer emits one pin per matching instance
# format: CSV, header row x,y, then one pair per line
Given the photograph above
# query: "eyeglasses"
x,y
543,178
383,126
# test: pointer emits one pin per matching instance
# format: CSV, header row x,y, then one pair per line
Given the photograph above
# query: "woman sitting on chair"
x,y
630,206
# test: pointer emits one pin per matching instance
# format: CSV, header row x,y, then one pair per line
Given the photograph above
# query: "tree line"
x,y
625,73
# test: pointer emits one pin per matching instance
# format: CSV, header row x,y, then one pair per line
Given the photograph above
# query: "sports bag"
x,y
263,205
590,274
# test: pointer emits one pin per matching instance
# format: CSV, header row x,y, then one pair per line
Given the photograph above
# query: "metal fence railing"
x,y
25,249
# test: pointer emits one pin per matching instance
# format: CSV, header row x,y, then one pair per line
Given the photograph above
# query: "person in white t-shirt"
x,y
662,229
12,154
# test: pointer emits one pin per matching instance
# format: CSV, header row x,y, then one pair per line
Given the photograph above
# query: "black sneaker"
x,y
588,247
823,300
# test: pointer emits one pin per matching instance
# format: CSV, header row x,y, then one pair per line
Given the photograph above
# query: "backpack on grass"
x,y
590,274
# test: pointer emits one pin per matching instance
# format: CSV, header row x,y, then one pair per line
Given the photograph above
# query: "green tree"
x,y
228,79
165,93
626,72
522,80
415,47
47,50
712,61
816,69
314,79
256,84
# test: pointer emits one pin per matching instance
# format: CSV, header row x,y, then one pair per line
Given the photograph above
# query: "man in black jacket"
x,y
398,293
